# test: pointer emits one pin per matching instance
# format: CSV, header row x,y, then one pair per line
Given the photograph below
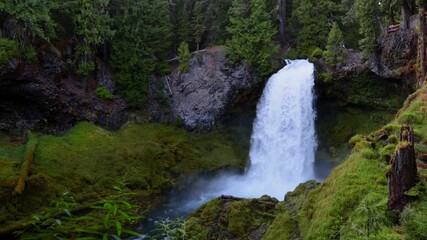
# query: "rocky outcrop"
x,y
212,85
403,173
46,95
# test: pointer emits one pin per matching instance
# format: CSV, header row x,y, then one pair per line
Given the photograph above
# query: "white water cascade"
x,y
283,140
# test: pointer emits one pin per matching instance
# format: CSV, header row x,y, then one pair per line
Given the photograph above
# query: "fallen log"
x,y
26,165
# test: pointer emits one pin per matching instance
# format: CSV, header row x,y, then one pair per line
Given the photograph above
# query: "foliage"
x,y
312,19
92,23
334,48
86,69
142,40
366,13
251,32
291,54
104,93
8,49
34,19
317,53
29,53
183,57
162,97
175,229
107,220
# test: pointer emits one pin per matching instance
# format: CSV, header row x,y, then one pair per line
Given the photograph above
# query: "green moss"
x,y
89,161
328,207
415,220
232,218
282,227
388,150
411,118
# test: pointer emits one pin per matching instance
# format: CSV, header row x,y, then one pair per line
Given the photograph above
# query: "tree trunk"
x,y
403,173
405,8
422,47
282,20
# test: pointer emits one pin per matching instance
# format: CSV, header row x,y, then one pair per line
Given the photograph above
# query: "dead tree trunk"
x,y
403,173
405,9
282,20
422,47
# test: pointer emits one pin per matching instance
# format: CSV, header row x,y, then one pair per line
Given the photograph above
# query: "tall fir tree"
x,y
314,19
368,16
142,41
251,33
335,46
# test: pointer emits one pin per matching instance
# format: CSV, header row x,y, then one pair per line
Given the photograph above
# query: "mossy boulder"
x,y
233,218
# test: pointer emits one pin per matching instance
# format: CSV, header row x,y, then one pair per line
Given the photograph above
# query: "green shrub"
x,y
8,49
291,54
325,77
162,97
29,53
104,93
317,53
184,56
86,69
108,220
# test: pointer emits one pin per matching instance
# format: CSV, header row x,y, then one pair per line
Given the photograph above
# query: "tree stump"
x,y
403,173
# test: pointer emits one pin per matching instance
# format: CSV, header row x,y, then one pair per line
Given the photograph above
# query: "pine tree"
x,y
34,19
93,25
335,47
142,41
314,18
184,56
251,35
198,23
367,14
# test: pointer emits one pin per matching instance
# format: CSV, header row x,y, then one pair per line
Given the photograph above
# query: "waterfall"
x,y
283,141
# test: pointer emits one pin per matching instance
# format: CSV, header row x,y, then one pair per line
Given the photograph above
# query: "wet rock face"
x,y
397,54
403,173
201,96
46,96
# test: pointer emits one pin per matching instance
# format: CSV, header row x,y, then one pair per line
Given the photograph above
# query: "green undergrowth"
x,y
87,161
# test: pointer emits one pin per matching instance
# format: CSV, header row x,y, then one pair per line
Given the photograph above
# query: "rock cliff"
x,y
46,95
202,95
